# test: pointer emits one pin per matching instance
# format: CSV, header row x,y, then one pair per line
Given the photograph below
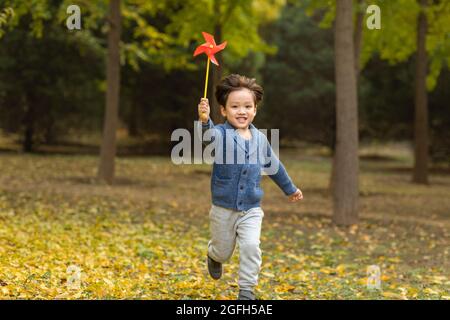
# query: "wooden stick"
x,y
207,76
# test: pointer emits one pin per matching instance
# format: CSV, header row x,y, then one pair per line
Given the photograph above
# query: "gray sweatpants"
x,y
226,227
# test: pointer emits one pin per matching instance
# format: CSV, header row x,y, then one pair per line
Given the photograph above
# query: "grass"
x,y
145,237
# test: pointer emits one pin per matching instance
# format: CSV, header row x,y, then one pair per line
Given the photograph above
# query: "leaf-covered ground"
x,y
146,236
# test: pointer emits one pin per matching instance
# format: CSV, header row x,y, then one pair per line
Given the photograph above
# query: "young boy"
x,y
235,213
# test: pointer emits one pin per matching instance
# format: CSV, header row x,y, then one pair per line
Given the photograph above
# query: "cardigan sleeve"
x,y
208,132
275,169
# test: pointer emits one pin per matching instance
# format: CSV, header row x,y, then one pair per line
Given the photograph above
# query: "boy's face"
x,y
240,109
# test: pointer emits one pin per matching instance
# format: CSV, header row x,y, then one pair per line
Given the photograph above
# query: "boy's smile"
x,y
240,109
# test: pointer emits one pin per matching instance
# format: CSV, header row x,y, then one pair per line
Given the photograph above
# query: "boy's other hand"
x,y
296,196
203,110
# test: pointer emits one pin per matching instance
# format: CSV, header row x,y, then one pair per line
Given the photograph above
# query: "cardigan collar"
x,y
253,145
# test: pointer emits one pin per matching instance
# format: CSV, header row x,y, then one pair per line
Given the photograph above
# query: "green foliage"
x,y
142,40
438,40
240,21
66,93
63,70
326,7
43,98
299,79
49,98
386,98
5,16
397,40
39,11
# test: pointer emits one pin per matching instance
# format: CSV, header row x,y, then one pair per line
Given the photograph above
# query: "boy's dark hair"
x,y
235,82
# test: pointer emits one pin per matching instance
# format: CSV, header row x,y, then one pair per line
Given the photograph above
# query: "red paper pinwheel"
x,y
210,47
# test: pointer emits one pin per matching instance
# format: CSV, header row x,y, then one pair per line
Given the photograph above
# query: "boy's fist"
x,y
297,195
203,110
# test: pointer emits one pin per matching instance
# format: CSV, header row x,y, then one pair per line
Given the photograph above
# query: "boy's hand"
x,y
296,196
203,110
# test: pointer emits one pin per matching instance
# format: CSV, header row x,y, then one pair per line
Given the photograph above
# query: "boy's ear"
x,y
222,110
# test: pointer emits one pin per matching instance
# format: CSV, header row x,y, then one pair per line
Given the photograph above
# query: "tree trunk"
x,y
358,45
346,184
108,147
420,171
216,71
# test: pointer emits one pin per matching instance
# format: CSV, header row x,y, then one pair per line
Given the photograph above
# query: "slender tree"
x,y
345,193
108,147
420,170
358,40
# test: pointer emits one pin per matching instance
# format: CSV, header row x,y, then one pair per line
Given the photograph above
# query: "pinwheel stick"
x,y
209,48
207,76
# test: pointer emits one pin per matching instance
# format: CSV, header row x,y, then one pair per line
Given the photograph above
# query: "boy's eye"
x,y
248,107
234,107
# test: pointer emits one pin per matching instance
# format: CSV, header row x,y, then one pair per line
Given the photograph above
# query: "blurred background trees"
x,y
53,81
